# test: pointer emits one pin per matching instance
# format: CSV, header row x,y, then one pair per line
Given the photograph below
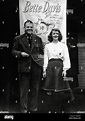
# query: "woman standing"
x,y
56,63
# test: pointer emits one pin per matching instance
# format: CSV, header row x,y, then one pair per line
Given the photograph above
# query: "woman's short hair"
x,y
50,38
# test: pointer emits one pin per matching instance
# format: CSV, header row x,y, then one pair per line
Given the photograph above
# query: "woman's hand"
x,y
64,73
44,74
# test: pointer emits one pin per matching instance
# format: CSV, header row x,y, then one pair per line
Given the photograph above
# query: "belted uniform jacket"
x,y
21,45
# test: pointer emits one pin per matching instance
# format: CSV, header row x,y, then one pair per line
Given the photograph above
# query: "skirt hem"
x,y
55,90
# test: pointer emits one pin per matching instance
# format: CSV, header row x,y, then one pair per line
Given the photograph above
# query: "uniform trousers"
x,y
29,87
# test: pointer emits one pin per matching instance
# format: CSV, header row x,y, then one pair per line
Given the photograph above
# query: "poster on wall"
x,y
45,14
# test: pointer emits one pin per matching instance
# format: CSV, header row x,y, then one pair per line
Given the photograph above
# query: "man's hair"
x,y
27,21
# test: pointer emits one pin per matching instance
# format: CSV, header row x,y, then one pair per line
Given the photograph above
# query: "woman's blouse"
x,y
57,50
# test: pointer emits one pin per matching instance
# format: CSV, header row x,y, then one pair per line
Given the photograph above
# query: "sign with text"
x,y
45,14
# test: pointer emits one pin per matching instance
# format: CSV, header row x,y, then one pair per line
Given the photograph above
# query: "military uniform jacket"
x,y
21,45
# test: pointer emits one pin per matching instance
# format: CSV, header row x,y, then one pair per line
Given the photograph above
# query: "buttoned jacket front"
x,y
21,45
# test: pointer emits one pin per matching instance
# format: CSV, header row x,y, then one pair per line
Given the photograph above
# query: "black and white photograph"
x,y
42,59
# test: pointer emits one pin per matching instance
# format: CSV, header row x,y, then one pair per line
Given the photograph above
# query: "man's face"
x,y
28,28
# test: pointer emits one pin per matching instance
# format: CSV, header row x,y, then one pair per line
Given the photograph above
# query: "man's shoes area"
x,y
23,111
34,109
31,110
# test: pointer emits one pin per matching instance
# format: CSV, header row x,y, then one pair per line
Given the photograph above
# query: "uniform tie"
x,y
29,37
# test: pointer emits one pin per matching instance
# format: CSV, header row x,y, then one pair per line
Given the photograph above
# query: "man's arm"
x,y
15,50
41,55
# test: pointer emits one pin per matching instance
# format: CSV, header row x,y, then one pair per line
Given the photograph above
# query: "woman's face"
x,y
55,35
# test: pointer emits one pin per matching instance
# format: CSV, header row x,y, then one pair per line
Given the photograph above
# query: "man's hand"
x,y
23,54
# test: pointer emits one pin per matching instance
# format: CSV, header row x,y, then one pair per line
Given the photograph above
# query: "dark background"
x,y
9,25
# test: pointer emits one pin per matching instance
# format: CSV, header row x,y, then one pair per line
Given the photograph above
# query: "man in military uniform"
x,y
28,49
